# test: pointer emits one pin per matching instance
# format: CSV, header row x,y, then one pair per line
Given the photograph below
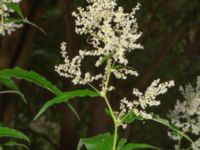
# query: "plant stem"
x,y
114,121
115,137
110,109
109,68
103,94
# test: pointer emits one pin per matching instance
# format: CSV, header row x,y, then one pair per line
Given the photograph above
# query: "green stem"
x,y
115,137
94,88
103,94
110,109
114,121
109,68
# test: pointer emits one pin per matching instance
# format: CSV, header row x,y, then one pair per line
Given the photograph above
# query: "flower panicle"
x,y
186,113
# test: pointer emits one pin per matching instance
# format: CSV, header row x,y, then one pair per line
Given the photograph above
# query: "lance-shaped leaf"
x,y
131,146
11,85
172,127
65,97
123,145
12,133
30,76
14,92
15,144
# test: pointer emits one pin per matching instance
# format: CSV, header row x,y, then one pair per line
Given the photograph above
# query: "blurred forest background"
x,y
171,39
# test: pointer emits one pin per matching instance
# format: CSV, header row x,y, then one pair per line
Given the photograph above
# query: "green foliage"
x,y
11,85
65,97
172,127
13,134
101,141
15,92
6,76
15,144
105,141
130,118
29,76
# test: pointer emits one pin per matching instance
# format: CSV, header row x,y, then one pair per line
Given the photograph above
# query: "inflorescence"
x,y
7,26
112,33
186,114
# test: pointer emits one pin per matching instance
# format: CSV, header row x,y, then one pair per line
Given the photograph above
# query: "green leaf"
x,y
130,117
12,133
99,142
107,111
30,76
136,146
16,20
15,92
105,142
64,97
15,144
34,25
130,146
16,8
73,110
121,143
9,83
170,126
1,148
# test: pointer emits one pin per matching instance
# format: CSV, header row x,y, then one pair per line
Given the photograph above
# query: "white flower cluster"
x,y
186,114
146,100
112,33
5,12
110,26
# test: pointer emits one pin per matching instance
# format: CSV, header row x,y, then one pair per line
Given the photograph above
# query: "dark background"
x,y
171,39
